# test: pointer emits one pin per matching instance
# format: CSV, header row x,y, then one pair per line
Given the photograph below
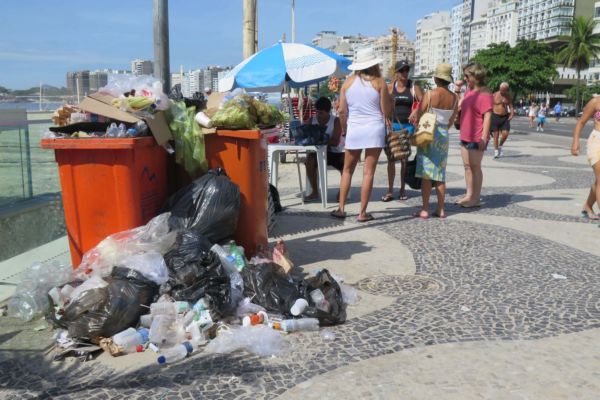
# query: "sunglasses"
x,y
403,70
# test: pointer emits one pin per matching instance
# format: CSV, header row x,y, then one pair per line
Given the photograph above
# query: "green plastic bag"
x,y
189,140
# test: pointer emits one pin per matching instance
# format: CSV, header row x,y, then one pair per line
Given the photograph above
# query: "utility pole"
x,y
293,23
249,30
162,70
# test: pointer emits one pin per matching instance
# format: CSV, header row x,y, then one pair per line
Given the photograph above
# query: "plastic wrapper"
x,y
260,340
333,294
31,295
210,206
154,236
141,85
196,272
104,311
266,286
189,140
349,294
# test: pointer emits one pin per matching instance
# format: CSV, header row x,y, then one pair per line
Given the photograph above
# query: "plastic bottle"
x,y
146,320
197,338
200,305
159,330
177,307
299,307
227,260
295,325
130,338
238,255
122,130
176,353
113,130
318,298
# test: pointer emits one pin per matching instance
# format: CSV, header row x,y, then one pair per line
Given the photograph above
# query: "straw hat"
x,y
443,72
363,59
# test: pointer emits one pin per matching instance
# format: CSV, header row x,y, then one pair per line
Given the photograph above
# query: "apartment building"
x,y
78,83
432,42
142,67
502,22
326,39
456,38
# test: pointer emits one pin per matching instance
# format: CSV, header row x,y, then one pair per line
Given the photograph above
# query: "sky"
x,y
42,40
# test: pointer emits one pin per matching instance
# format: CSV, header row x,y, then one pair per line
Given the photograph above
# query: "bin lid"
x,y
241,134
97,143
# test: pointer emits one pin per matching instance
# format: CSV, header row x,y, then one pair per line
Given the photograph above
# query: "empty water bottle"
x,y
318,298
238,255
227,260
112,130
167,307
295,325
176,353
130,338
122,130
299,307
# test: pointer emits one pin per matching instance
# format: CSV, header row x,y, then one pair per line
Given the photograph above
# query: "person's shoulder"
x,y
348,81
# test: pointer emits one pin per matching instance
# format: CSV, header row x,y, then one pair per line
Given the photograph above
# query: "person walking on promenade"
x,y
364,106
557,111
541,117
591,110
431,160
533,109
405,94
335,147
502,113
475,120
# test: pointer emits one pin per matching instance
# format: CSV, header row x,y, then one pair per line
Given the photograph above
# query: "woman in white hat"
x,y
365,105
431,159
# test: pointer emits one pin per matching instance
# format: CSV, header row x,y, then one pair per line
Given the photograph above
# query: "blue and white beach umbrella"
x,y
296,64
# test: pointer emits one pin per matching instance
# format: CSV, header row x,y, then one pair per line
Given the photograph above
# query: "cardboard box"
x,y
101,104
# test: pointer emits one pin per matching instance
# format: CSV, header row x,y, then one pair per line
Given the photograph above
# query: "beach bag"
x,y
425,131
397,145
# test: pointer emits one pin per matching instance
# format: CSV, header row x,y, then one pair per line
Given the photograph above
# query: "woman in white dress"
x,y
365,105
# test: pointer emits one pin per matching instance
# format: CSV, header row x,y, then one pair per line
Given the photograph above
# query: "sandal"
x,y
338,214
403,197
368,217
590,216
438,215
387,197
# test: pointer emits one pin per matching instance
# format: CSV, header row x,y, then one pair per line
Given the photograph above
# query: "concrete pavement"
x,y
471,307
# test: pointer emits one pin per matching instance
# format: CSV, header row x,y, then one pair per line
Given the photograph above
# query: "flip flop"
x,y
417,214
387,197
589,216
435,214
403,197
368,218
338,214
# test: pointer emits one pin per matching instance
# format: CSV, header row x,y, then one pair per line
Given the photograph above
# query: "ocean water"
x,y
46,106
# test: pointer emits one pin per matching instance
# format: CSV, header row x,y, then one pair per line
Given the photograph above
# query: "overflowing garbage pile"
x,y
242,111
179,284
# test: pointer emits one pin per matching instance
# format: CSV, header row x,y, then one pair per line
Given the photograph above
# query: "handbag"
x,y
425,131
410,178
397,145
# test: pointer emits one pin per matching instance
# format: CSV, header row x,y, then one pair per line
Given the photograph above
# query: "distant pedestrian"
x,y
502,113
432,159
365,105
475,121
557,111
591,110
533,109
541,117
405,95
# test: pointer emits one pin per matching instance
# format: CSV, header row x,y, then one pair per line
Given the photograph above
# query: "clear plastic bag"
x,y
260,340
31,295
150,264
154,236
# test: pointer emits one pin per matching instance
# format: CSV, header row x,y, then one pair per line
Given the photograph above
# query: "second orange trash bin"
x,y
108,185
243,155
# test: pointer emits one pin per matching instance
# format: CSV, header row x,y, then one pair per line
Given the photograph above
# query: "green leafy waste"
x,y
245,112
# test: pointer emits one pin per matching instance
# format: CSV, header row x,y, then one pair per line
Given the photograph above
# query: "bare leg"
x,y
403,169
369,166
495,134
350,160
504,137
425,194
391,170
311,174
468,176
593,195
475,157
440,189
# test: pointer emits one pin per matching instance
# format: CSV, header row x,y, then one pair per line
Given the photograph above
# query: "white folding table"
x,y
321,150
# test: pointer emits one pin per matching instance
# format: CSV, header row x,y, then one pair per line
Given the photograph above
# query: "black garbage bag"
x,y
210,205
196,272
333,294
267,288
103,312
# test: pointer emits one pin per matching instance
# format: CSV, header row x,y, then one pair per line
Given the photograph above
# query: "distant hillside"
x,y
47,90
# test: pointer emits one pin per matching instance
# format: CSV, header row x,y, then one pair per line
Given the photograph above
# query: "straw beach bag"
x,y
426,128
397,145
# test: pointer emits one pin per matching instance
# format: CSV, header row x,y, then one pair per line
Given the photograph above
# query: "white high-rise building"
x,y
544,19
142,67
456,39
502,22
478,35
326,39
433,42
383,49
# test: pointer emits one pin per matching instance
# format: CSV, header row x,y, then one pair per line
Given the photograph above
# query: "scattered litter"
x,y
349,294
40,328
464,309
558,276
328,335
260,340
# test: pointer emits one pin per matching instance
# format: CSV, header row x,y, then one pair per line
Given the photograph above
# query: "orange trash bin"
x,y
108,186
243,155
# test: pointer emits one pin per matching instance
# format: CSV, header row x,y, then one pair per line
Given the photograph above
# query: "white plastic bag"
x,y
151,265
260,340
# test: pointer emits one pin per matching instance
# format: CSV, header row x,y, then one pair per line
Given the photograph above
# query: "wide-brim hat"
x,y
363,59
443,72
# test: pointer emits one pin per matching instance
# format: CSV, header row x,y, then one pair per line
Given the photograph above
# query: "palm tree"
x,y
579,49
